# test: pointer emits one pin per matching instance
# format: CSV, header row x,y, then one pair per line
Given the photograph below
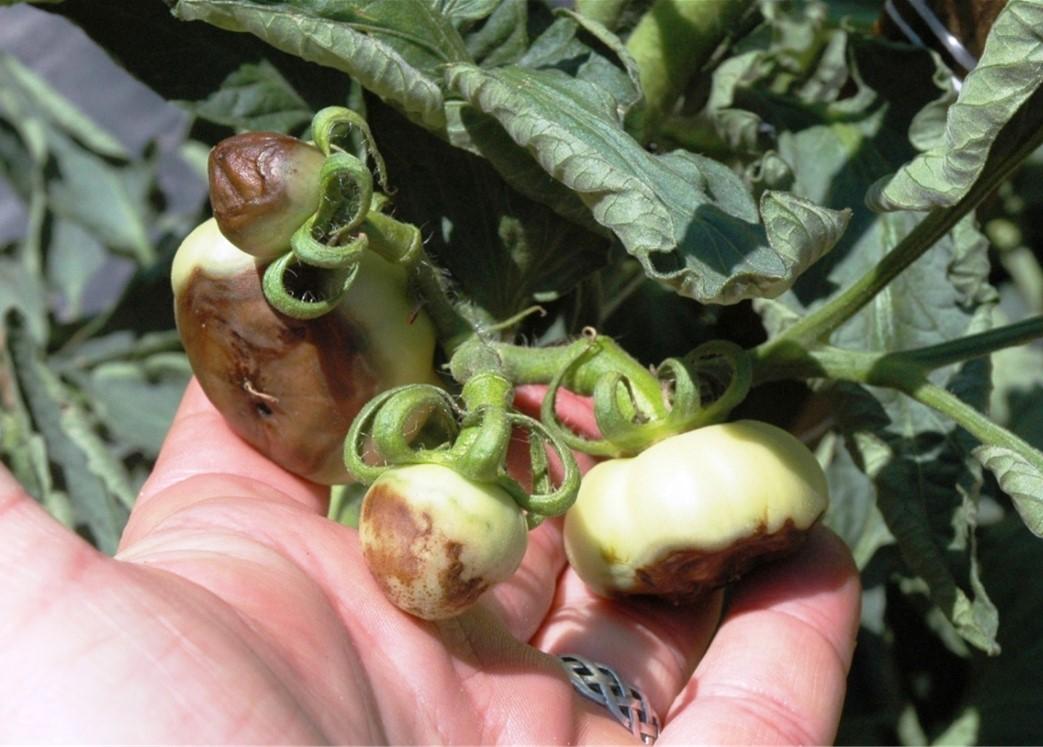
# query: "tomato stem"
x,y
974,422
906,371
975,346
793,361
528,365
819,325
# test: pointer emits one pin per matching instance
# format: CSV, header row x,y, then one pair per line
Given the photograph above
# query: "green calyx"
x,y
423,424
635,407
311,279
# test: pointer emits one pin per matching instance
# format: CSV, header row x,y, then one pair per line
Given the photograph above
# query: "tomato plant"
x,y
823,216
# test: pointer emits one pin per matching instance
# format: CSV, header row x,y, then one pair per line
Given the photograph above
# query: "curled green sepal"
x,y
345,198
335,123
314,252
704,361
625,425
304,292
389,425
545,499
549,413
621,420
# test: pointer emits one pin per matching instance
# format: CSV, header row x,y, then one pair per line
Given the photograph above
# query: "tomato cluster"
x,y
688,513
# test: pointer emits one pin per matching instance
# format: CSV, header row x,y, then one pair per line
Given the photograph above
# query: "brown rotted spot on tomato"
x,y
685,576
400,535
262,186
460,592
288,387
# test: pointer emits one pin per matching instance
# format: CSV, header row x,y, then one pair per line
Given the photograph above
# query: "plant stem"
x,y
453,328
817,326
973,346
673,40
974,422
907,372
526,365
793,361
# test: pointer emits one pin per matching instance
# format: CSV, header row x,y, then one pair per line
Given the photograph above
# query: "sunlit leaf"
x,y
1020,479
689,220
393,47
1009,72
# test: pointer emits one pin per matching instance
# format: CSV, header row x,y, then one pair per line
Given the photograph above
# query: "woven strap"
x,y
602,685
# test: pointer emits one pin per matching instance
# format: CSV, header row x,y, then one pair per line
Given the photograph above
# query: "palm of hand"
x,y
235,612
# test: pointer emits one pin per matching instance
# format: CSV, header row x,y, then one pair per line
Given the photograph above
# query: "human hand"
x,y
235,611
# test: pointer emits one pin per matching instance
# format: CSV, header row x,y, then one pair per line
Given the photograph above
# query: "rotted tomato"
x,y
263,186
291,387
695,511
435,541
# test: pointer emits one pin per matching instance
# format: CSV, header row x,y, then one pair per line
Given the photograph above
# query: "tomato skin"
x,y
263,185
291,387
435,541
692,512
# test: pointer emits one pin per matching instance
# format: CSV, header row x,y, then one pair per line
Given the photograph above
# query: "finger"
x,y
574,410
202,458
522,602
652,644
776,669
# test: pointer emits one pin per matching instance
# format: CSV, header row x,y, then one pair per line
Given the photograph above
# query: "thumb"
x,y
35,550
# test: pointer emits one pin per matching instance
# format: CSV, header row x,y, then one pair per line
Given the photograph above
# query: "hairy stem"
x,y
401,243
524,365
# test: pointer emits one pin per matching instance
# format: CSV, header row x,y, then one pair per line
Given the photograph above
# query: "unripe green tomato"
x,y
694,511
435,541
291,387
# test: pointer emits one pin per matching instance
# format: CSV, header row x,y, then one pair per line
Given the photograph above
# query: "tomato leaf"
x,y
1005,692
503,37
98,487
853,512
914,518
255,97
30,102
687,219
74,259
500,248
1020,479
137,400
394,48
1009,72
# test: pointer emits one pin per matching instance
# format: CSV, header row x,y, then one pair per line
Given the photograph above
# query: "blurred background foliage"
x,y
102,172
